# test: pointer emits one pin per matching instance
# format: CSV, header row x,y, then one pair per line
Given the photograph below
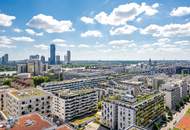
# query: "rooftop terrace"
x,y
74,92
28,93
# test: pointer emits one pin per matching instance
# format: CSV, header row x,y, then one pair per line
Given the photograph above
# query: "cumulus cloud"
x,y
120,42
87,20
23,39
6,42
127,12
32,32
127,29
62,43
17,30
58,40
182,43
169,30
6,20
91,33
50,24
180,11
83,46
41,46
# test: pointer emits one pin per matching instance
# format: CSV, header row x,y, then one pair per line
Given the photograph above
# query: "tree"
x,y
181,103
155,126
7,82
40,79
100,105
177,107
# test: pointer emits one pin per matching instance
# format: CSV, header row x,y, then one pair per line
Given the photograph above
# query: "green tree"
x,y
7,82
40,79
155,126
177,107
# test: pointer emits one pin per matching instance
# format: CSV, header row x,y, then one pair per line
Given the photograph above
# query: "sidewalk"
x,y
176,118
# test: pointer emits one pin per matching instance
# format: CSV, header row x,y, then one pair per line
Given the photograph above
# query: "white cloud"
x,y
32,32
180,11
87,20
91,33
50,24
6,20
22,39
83,46
127,12
120,42
7,46
169,30
61,43
165,40
127,29
139,19
5,40
17,30
183,43
58,40
41,46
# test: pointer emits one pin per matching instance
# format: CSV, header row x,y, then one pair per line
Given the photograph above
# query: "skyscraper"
x,y
34,57
43,60
52,54
58,59
67,57
5,59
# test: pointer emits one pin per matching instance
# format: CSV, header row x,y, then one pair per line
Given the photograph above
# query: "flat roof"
x,y
27,93
31,121
139,99
74,92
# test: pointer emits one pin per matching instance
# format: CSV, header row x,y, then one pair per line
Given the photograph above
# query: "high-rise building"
x,y
58,59
34,57
5,59
52,54
43,59
67,57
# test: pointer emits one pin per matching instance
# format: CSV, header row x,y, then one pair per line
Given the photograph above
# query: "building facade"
x,y
71,104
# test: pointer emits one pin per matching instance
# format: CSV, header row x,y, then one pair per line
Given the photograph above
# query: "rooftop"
x,y
139,99
74,92
27,93
28,122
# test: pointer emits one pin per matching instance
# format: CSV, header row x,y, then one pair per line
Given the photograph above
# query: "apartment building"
x,y
172,96
21,102
120,112
72,84
70,104
174,91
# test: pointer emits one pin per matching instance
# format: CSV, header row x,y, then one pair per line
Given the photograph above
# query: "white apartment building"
x,y
121,112
174,92
72,84
172,96
21,102
70,104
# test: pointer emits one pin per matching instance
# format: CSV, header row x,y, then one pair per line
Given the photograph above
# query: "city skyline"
x,y
110,30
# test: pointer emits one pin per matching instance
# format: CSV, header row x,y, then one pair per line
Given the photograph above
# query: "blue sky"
x,y
96,29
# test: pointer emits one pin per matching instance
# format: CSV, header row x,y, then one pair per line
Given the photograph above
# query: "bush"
x,y
7,82
40,79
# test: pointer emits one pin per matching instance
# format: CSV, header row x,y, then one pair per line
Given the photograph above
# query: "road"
x,y
176,118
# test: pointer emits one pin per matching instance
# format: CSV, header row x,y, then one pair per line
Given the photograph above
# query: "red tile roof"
x,y
64,127
37,123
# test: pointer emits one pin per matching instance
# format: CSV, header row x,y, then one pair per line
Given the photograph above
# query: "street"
x,y
176,118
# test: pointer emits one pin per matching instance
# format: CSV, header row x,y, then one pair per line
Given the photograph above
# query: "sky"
x,y
96,29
